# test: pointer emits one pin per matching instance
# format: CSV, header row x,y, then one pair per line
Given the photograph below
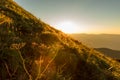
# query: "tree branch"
x,y
23,63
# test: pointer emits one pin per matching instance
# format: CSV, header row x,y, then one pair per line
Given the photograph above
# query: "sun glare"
x,y
67,27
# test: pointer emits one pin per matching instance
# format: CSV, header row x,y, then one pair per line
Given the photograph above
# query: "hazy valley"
x,y
111,41
109,44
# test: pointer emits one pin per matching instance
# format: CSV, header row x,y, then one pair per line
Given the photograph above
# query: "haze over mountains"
x,y
33,50
111,41
109,44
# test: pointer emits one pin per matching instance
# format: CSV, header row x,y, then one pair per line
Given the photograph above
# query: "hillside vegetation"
x,y
32,50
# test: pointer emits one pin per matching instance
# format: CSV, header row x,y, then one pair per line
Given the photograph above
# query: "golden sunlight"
x,y
67,27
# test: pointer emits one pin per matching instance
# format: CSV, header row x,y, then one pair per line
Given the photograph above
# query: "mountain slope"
x,y
32,50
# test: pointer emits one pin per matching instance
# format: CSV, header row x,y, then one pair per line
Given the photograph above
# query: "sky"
x,y
77,16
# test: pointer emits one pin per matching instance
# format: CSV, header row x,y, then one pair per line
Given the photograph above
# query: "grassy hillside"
x,y
32,50
111,41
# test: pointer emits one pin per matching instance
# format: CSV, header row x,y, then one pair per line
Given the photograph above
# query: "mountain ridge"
x,y
32,50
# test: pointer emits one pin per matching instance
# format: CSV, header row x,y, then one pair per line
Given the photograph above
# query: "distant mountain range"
x,y
107,44
109,52
111,41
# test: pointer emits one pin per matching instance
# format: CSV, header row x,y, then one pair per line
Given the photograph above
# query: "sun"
x,y
67,27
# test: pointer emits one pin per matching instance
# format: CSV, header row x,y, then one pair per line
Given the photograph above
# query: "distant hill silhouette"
x,y
111,41
109,52
33,50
